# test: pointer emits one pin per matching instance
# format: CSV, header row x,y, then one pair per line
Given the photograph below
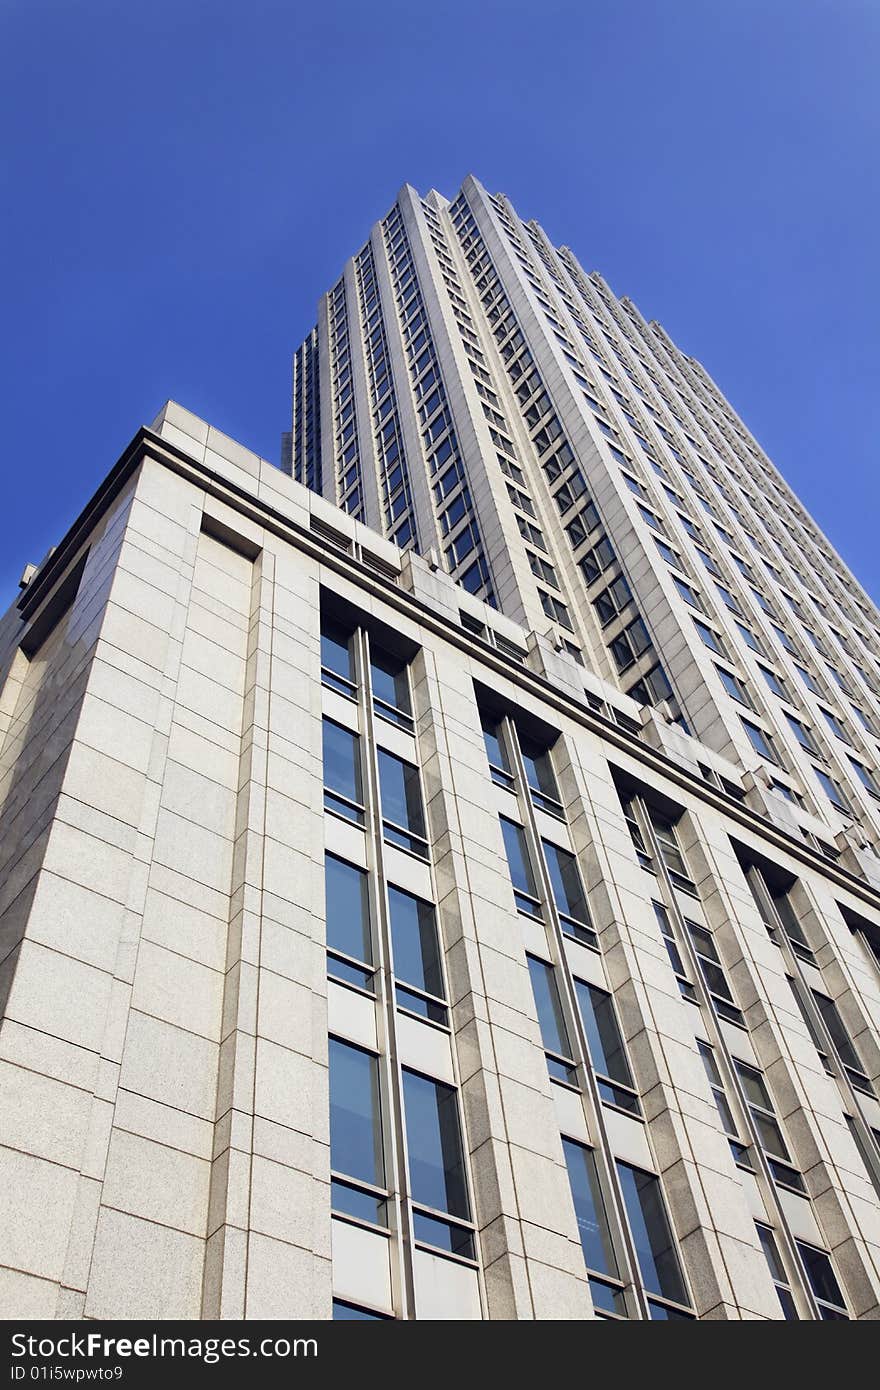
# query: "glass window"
x,y
759,740
773,682
554,1033
823,1281
777,1271
652,1236
670,941
733,685
416,949
725,1114
337,660
713,974
832,791
356,1132
592,1222
496,753
671,854
342,772
568,893
436,1162
348,922
403,818
767,1126
389,676
539,775
709,638
605,1046
521,875
842,1041
867,779
351,1311
801,733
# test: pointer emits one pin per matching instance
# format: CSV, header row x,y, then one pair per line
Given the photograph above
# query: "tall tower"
x,y
488,403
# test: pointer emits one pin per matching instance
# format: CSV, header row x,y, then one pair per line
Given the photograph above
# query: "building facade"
x,y
416,897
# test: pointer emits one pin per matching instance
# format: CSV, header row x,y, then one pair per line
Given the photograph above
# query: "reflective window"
x,y
352,1312
554,1033
759,740
521,876
337,662
496,753
652,1236
342,772
842,1041
356,1132
767,1126
347,906
389,677
592,1221
436,1163
823,1281
416,948
539,776
568,893
605,1046
777,1272
403,819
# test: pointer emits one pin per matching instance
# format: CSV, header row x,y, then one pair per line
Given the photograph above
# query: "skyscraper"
x,y
443,883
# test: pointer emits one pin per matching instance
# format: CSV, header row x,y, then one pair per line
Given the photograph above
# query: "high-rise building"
x,y
444,883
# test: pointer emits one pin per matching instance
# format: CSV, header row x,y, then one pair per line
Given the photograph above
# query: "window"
x,y
687,593
670,941
352,1311
356,1151
713,973
611,601
867,779
521,876
728,599
734,686
759,740
773,682
832,791
403,820
554,1034
417,971
436,1165
807,678
669,555
728,1124
669,851
652,1237
349,940
749,638
568,893
823,1282
342,772
592,1223
337,663
709,638
850,1059
390,681
767,1127
777,1272
802,734
630,644
539,776
605,1045
496,753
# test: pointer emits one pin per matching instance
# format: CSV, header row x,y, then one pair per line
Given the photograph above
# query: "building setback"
x,y
454,895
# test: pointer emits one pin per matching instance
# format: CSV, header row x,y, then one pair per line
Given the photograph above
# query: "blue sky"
x,y
186,177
